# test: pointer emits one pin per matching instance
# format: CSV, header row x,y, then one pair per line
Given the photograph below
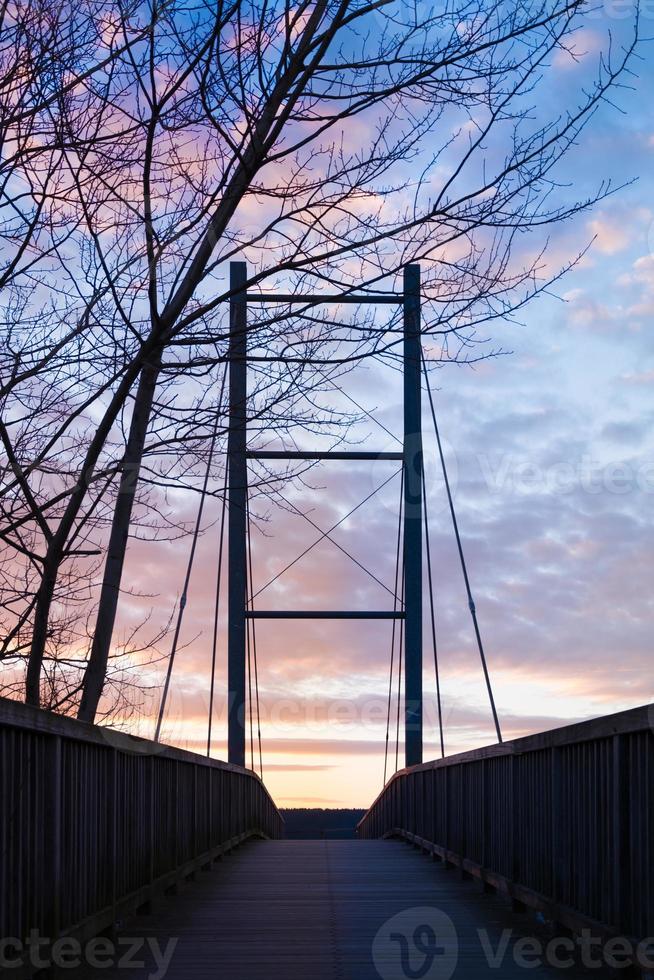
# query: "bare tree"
x,y
47,51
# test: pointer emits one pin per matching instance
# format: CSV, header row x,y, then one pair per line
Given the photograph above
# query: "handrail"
x,y
636,719
95,823
561,821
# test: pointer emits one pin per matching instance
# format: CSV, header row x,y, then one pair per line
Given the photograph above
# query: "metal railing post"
x,y
237,514
413,464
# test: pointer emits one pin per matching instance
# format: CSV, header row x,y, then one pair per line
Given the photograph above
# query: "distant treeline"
x,y
310,824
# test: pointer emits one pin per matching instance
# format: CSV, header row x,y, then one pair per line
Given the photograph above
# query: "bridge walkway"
x,y
334,910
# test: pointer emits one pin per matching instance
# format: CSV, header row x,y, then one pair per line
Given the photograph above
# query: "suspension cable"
x,y
381,425
189,567
390,677
433,616
250,712
399,681
327,536
326,533
254,639
471,603
369,414
214,640
248,638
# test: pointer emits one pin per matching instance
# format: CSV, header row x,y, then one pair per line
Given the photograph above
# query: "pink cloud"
x,y
610,235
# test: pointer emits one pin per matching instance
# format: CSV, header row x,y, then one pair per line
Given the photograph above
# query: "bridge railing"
x,y
95,823
562,822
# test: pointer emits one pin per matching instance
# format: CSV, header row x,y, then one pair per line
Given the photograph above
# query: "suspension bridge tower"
x,y
411,458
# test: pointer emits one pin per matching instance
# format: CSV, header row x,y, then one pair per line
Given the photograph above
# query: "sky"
x,y
550,449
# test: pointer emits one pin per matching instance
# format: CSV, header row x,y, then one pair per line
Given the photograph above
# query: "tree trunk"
x,y
56,548
40,630
97,666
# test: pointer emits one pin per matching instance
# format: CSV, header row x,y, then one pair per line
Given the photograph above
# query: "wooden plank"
x,y
310,910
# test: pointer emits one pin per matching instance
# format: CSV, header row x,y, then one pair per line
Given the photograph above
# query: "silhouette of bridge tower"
x,y
411,457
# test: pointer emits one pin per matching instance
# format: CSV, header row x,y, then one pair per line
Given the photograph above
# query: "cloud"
x,y
295,768
639,378
611,235
583,43
631,431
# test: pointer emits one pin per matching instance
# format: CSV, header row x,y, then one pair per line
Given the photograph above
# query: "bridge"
x,y
532,854
536,852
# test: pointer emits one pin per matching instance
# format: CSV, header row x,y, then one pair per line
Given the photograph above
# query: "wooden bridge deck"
x,y
310,910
